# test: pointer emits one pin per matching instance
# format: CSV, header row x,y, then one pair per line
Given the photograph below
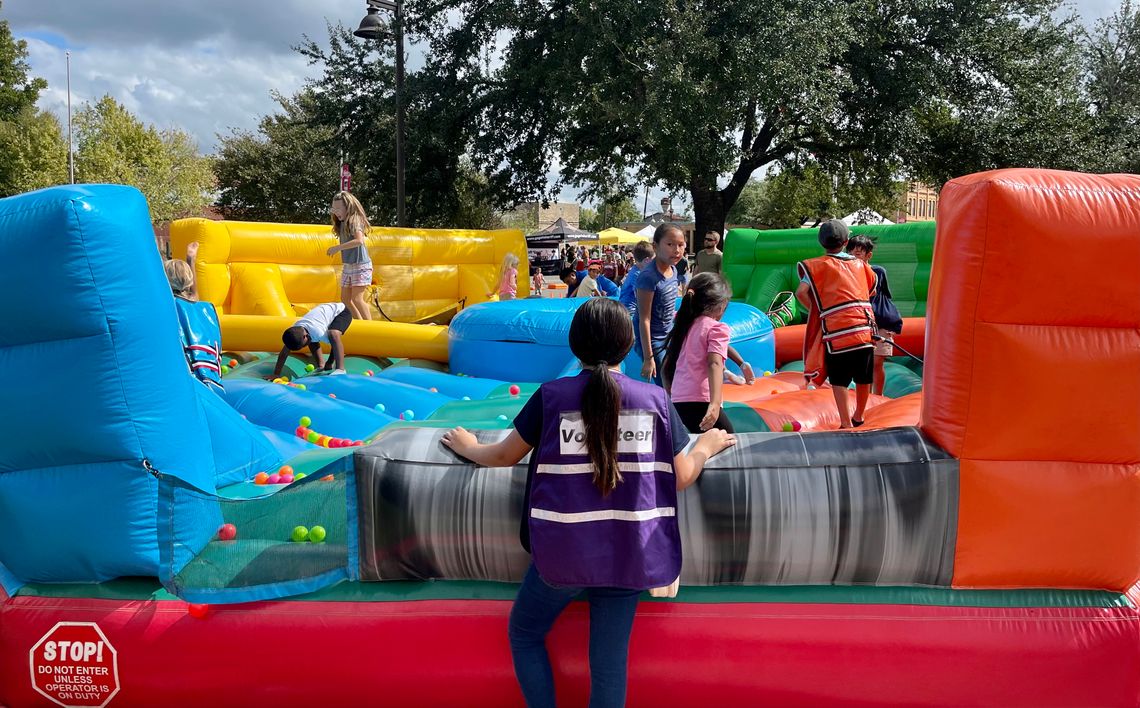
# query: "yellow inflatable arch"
x,y
262,277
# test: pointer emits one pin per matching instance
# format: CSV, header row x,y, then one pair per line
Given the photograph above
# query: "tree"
x,y
687,94
1112,75
18,91
749,206
610,213
115,146
33,150
287,171
354,98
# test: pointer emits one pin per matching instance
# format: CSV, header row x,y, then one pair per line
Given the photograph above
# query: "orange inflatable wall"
x,y
1037,277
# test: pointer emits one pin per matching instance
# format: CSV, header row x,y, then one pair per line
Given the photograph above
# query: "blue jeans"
x,y
611,620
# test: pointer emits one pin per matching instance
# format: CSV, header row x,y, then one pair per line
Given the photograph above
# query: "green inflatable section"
x,y
761,265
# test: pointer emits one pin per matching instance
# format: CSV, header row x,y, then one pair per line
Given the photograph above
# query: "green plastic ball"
x,y
300,533
306,421
309,367
317,534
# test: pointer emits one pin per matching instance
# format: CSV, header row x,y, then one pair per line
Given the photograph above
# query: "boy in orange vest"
x,y
836,290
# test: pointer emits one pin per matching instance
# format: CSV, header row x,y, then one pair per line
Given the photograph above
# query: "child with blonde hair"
x,y
351,226
508,287
197,321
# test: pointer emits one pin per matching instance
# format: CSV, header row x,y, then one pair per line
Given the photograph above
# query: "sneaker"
x,y
337,372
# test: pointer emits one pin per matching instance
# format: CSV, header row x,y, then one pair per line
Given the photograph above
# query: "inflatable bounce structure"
x,y
277,272
310,542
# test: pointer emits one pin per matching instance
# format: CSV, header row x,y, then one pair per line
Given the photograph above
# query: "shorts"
x,y
341,322
692,412
506,296
855,365
884,343
356,275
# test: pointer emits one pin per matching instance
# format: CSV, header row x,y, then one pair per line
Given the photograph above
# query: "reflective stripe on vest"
x,y
627,538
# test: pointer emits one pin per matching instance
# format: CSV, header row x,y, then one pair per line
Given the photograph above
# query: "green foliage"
x,y
750,205
614,211
1112,65
33,152
115,146
354,99
18,91
687,93
286,171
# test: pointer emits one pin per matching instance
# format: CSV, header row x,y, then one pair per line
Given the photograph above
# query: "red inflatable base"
x,y
454,653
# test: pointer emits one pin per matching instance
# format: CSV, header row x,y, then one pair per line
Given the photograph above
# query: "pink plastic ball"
x,y
274,479
514,390
227,532
796,426
286,479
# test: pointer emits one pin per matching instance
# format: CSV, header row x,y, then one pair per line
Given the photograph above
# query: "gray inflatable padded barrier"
x,y
879,507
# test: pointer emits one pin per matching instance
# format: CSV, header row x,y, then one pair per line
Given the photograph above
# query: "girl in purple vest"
x,y
601,497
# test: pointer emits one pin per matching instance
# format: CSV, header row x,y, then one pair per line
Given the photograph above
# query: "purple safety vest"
x,y
628,538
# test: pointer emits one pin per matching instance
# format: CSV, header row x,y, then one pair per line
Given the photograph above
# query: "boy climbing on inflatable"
x,y
836,290
888,322
324,323
197,321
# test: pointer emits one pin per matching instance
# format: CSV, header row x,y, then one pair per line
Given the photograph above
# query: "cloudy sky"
x,y
206,66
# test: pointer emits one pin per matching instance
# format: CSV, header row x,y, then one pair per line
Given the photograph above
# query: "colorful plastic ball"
x,y
261,478
381,407
317,534
502,417
225,369
274,479
233,363
357,443
197,610
369,372
467,398
332,395
227,532
310,367
336,442
285,470
306,421
324,441
299,476
401,416
796,426
774,392
284,379
514,390
313,437
300,533
328,478
287,479
787,427
302,387
767,373
409,415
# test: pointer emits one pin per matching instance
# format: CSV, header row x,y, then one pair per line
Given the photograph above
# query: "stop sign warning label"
x,y
75,665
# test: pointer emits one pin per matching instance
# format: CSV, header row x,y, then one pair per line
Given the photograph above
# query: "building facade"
x,y
921,204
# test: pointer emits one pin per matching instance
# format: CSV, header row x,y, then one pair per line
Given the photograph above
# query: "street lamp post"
x,y
371,27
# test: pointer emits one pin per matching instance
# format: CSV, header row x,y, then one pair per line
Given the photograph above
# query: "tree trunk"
x,y
709,210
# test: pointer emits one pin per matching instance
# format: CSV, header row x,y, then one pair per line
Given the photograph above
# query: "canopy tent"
x,y
616,236
647,231
558,232
856,218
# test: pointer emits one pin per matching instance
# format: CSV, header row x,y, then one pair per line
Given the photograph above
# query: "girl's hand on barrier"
x,y
459,440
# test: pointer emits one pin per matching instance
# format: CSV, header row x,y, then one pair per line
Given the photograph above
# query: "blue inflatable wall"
x,y
526,340
98,398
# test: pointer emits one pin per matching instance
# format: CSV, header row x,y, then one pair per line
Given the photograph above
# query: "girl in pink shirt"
x,y
695,354
508,277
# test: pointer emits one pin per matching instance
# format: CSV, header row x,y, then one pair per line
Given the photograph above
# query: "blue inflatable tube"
x,y
281,408
446,384
527,340
395,396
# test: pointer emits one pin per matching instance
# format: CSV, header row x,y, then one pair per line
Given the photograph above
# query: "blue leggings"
x,y
611,620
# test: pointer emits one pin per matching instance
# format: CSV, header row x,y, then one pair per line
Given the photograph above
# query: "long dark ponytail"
x,y
601,334
706,291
